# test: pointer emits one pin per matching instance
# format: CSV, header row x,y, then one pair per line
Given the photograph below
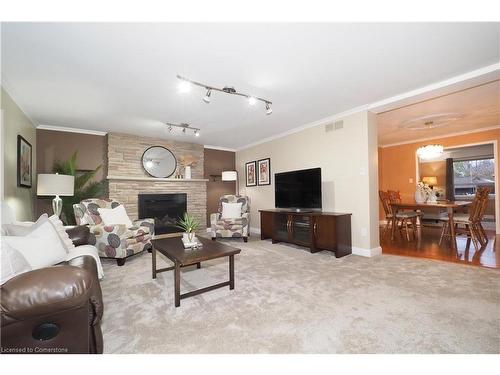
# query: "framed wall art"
x,y
250,173
24,167
264,172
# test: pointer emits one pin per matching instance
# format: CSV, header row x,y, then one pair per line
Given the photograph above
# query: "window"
x,y
469,174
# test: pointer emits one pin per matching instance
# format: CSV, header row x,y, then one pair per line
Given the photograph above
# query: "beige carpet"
x,y
287,300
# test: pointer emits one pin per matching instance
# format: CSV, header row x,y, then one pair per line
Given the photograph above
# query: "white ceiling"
x,y
122,77
479,108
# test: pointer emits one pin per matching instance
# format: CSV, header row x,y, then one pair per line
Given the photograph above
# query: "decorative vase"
x,y
188,236
432,198
187,172
420,196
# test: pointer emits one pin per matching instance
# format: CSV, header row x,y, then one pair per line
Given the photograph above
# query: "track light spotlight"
x,y
206,98
184,86
196,133
184,130
269,110
252,100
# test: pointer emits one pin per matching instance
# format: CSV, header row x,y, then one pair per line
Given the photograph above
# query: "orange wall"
x,y
397,164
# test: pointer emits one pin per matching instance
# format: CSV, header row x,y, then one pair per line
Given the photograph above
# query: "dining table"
x,y
449,206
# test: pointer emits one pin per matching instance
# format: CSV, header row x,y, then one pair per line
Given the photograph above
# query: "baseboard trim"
x,y
367,252
254,230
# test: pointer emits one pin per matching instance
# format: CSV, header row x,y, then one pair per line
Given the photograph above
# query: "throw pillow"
x,y
231,210
19,228
42,247
63,235
13,262
117,215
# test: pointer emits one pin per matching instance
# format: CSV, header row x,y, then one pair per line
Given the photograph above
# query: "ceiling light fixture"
x,y
430,152
433,121
206,98
269,110
186,84
184,127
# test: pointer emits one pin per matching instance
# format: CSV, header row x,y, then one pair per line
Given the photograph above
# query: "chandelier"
x,y
430,152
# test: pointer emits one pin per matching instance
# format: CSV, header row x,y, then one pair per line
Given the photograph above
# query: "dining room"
x,y
438,175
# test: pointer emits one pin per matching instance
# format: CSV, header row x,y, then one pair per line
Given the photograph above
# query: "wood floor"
x,y
427,246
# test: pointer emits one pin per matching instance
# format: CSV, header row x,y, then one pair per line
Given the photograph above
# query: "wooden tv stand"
x,y
316,230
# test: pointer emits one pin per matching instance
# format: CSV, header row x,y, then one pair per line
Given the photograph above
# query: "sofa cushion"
x,y
13,262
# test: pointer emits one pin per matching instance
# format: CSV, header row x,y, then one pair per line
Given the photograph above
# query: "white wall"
x,y
348,159
14,122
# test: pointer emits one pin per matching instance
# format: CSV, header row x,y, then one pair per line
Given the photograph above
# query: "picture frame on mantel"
x,y
264,172
24,162
251,173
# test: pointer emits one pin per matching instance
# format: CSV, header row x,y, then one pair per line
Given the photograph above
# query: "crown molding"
x,y
219,148
71,130
480,130
479,76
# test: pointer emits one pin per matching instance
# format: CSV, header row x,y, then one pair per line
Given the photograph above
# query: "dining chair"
x,y
402,218
471,221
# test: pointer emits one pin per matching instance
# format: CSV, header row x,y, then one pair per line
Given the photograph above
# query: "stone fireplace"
x,y
127,180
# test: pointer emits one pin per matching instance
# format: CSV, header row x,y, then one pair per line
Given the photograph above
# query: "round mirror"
x,y
159,162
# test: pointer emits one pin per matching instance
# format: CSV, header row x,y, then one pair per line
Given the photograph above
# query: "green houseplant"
x,y
188,224
84,187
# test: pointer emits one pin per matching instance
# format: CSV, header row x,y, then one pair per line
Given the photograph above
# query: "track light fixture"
x,y
184,127
206,98
269,110
186,83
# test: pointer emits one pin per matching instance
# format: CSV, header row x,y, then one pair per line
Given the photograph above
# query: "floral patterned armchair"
x,y
237,227
113,241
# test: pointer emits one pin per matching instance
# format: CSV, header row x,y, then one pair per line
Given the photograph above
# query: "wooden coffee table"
x,y
174,250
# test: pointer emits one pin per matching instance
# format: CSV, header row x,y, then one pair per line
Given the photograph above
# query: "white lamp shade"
x,y
229,176
56,184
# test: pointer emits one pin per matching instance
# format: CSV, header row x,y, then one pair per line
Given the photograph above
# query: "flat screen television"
x,y
298,190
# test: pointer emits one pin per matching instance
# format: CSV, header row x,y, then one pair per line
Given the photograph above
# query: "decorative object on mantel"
x,y
231,176
159,161
250,173
186,83
264,172
430,152
187,161
24,168
422,192
184,127
188,224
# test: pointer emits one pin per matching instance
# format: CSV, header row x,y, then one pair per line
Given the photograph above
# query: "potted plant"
x,y
188,224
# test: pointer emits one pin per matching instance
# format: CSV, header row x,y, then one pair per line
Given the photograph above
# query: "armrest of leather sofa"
x,y
79,235
45,291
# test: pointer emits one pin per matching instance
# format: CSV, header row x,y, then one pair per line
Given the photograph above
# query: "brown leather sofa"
x,y
55,309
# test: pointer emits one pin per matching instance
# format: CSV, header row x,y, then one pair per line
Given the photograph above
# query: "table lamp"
x,y
56,184
231,176
430,180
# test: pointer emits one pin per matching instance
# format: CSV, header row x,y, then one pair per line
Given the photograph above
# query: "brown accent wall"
x,y
56,145
217,161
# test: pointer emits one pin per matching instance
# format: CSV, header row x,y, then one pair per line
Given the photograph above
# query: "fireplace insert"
x,y
165,209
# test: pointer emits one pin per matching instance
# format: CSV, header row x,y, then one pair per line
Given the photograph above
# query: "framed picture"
x,y
23,162
264,171
250,172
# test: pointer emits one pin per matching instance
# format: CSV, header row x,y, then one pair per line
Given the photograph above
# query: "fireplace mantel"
x,y
154,179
